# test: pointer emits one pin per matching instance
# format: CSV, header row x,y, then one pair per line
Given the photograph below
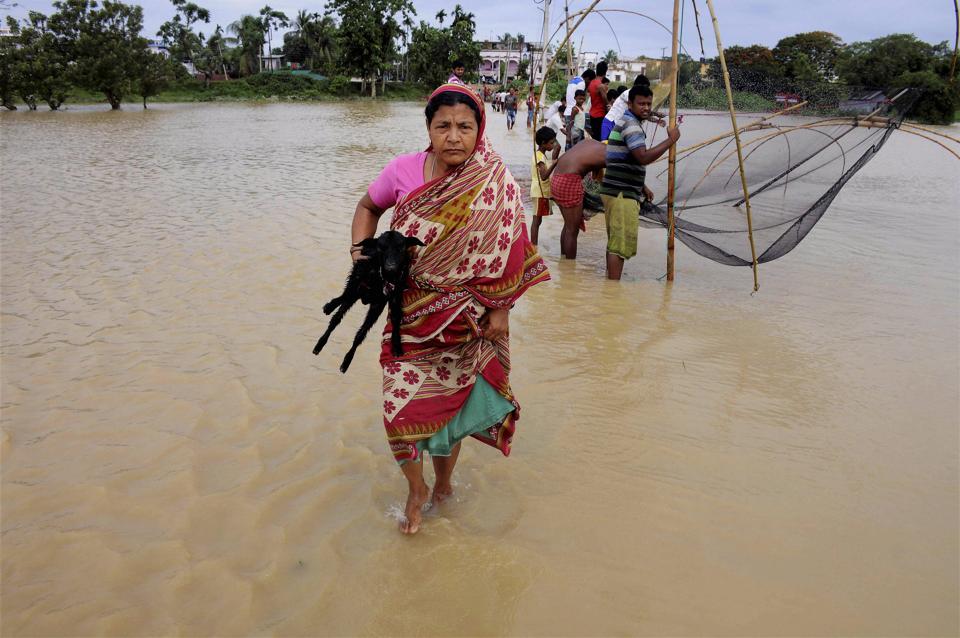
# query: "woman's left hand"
x,y
495,323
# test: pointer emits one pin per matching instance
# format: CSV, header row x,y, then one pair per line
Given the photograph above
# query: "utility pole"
x,y
663,54
543,44
570,69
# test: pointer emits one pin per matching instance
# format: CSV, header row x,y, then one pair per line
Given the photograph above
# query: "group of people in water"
x,y
476,260
609,148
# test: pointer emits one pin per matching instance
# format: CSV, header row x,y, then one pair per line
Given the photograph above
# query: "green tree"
x,y
939,99
41,67
879,62
809,56
249,34
433,49
755,57
312,41
899,61
177,33
102,44
370,31
272,19
611,57
154,73
8,73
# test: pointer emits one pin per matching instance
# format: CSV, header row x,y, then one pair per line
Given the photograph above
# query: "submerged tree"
x,y
41,66
154,73
8,73
102,44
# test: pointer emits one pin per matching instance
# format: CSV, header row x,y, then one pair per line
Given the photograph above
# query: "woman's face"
x,y
453,133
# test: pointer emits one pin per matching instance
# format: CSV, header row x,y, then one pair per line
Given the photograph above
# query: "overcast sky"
x,y
742,22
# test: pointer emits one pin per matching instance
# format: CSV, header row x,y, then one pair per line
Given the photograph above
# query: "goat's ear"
x,y
413,241
369,242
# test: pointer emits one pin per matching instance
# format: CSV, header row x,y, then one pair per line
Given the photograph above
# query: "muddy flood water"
x,y
691,460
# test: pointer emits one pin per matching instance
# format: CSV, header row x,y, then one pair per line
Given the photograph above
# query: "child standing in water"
x,y
546,139
576,121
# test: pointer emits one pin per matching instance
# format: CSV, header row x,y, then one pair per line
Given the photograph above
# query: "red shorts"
x,y
567,189
543,207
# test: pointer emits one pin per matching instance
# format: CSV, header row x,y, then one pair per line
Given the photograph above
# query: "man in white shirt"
x,y
556,107
619,106
577,84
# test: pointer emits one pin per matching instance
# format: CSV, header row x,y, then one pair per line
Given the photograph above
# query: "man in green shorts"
x,y
623,186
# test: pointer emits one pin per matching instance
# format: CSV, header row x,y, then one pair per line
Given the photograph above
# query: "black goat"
x,y
377,279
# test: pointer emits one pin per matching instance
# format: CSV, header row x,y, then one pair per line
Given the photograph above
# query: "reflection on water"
x,y
691,460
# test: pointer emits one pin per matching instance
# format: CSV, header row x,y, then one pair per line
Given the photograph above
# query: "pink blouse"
x,y
403,174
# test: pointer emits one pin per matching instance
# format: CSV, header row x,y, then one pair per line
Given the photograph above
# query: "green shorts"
x,y
622,217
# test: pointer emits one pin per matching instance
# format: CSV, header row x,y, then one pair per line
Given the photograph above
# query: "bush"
x,y
938,101
339,85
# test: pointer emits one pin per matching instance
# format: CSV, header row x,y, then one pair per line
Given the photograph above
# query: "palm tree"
x,y
441,16
249,32
272,19
611,57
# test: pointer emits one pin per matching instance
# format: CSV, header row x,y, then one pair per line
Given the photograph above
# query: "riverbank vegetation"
x,y
94,51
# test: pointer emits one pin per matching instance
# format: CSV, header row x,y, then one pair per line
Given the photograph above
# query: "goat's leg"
x,y
333,304
351,297
376,308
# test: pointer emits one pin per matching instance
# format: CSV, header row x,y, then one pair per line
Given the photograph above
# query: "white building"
x,y
156,46
624,71
500,62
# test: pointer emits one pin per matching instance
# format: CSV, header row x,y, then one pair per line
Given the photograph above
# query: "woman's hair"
x,y
450,98
544,135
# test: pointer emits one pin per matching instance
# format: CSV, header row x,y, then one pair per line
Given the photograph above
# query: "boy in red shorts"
x,y
566,188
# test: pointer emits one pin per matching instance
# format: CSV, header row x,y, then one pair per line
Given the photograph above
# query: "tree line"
x,y
99,47
819,66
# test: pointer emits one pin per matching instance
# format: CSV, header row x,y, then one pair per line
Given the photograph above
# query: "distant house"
x,y
158,47
272,62
785,99
864,103
624,71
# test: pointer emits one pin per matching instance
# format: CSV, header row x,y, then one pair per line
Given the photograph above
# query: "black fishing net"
x,y
795,162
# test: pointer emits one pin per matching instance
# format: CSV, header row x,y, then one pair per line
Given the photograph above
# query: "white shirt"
x,y
576,84
556,123
618,108
554,109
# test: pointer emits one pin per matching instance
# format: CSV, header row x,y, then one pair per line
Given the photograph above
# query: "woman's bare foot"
x,y
419,494
440,494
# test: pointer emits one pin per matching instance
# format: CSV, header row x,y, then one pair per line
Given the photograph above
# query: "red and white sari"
x,y
477,256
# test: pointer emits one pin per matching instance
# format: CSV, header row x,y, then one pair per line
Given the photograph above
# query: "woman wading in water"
x,y
452,380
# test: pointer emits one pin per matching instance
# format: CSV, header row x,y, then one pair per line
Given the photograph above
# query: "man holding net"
x,y
623,187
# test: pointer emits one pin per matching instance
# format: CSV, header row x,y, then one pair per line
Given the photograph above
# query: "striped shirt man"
x,y
624,173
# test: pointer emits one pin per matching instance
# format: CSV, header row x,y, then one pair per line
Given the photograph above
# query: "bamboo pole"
x,y
546,73
930,130
748,127
672,174
736,136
